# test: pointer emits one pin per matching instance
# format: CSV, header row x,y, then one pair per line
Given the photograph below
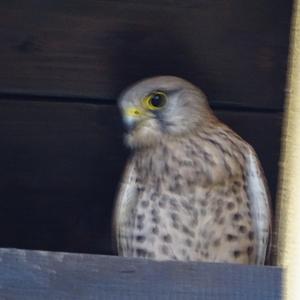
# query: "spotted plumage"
x,y
193,190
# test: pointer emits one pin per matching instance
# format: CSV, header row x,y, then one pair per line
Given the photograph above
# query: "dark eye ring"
x,y
155,100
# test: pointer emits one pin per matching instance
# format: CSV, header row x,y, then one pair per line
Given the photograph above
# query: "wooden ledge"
x,y
27,274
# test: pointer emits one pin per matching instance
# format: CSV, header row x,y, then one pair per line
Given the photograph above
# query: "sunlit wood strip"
x,y
289,192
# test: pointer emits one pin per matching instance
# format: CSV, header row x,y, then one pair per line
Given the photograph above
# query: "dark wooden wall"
x,y
62,64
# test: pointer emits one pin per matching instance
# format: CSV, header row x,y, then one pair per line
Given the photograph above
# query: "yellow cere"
x,y
134,112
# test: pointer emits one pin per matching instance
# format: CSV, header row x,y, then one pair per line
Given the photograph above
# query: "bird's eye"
x,y
155,101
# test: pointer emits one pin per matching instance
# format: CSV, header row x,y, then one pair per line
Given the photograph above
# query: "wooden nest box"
x,y
61,151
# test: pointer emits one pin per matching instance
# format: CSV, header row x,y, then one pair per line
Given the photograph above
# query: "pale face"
x,y
161,106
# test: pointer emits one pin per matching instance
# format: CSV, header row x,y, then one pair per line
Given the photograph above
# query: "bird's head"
x,y
161,107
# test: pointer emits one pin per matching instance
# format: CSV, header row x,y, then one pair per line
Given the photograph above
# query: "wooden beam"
x,y
35,275
236,50
288,213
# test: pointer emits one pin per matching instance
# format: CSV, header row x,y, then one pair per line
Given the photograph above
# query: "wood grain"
x,y
61,164
33,275
236,51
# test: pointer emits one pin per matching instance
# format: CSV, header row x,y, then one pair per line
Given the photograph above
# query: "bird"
x,y
192,189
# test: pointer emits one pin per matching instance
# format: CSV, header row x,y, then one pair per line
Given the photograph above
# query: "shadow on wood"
x,y
61,164
236,51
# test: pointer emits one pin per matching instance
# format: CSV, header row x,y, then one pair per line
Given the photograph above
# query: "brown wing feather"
x,y
260,205
125,202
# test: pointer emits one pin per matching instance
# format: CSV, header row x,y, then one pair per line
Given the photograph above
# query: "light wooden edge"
x,y
288,209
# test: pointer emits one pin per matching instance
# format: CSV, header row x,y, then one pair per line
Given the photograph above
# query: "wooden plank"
x,y
61,164
44,275
60,168
236,51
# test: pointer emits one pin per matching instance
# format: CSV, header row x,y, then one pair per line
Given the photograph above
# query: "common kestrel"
x,y
193,190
